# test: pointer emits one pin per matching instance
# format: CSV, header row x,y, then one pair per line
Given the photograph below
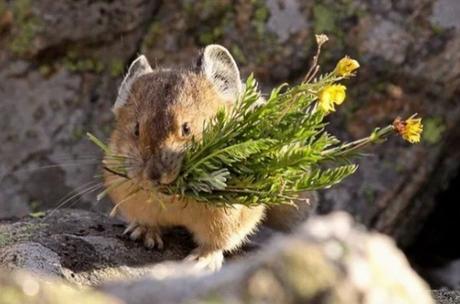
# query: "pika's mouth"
x,y
168,178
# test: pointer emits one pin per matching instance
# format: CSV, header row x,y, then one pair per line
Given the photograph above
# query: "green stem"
x,y
377,135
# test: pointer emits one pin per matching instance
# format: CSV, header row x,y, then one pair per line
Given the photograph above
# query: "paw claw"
x,y
149,242
130,228
151,236
137,233
159,242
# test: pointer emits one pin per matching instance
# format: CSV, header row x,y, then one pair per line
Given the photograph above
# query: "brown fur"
x,y
161,102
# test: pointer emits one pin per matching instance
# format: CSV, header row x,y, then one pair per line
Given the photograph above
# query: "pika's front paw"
x,y
151,236
206,259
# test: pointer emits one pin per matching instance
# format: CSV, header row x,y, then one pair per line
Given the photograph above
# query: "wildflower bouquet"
x,y
270,153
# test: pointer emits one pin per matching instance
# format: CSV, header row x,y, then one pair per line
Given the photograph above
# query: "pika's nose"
x,y
152,171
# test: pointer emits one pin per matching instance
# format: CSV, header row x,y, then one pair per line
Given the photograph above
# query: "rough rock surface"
x,y
327,260
57,81
446,296
82,247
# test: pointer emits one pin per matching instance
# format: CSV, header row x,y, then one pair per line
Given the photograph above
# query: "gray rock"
x,y
446,296
30,256
285,18
327,260
445,13
83,247
51,93
384,39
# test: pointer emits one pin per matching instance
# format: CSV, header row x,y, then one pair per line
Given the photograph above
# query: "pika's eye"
x,y
186,129
136,130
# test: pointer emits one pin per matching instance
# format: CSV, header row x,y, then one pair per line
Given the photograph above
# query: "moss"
x,y
238,54
369,194
38,214
78,133
260,16
210,7
4,239
261,13
34,205
210,36
437,30
27,26
324,19
19,234
433,130
45,69
74,64
332,17
154,32
2,7
116,67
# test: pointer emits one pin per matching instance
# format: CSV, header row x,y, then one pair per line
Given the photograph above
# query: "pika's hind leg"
x,y
206,258
150,235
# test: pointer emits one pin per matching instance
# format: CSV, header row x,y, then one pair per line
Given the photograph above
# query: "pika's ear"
x,y
219,67
140,66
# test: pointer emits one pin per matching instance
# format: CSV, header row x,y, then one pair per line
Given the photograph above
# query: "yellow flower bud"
x,y
330,96
410,129
346,66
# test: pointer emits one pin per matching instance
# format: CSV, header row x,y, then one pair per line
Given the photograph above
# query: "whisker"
x,y
113,185
113,212
87,190
130,195
60,165
80,193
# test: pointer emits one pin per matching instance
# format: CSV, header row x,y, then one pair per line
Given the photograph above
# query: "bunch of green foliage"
x,y
269,151
263,153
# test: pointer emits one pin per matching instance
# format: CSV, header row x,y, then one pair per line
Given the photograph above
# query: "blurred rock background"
x,y
61,63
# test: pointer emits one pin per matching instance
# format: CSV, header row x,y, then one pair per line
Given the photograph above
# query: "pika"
x,y
158,112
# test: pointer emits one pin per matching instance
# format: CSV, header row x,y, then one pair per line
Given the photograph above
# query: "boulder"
x,y
326,260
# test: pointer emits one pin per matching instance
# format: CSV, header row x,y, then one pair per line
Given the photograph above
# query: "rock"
x,y
57,82
40,26
445,12
22,287
384,39
328,259
83,247
446,296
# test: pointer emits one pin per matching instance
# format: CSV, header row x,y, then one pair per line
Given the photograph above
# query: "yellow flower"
x,y
346,66
330,96
410,129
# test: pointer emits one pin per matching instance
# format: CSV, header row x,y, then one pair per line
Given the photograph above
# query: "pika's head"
x,y
159,111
